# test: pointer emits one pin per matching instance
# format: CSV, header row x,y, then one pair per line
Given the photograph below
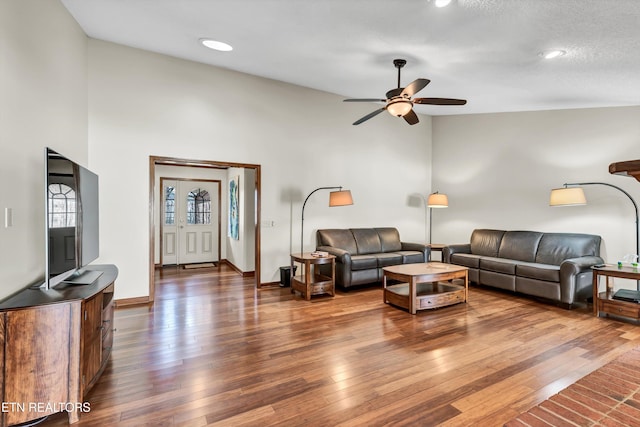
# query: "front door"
x,y
191,221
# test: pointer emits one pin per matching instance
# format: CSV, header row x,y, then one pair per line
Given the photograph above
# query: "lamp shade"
x,y
437,200
340,198
573,196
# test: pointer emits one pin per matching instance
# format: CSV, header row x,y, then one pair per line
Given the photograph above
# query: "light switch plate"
x,y
8,217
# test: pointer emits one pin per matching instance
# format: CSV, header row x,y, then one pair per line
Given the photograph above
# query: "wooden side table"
x,y
311,282
604,302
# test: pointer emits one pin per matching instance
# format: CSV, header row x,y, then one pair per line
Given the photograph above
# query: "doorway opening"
x,y
253,219
190,221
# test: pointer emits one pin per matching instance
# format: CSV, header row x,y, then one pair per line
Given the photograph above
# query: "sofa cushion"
x,y
556,247
520,245
387,259
499,265
367,241
411,257
546,272
338,238
363,262
486,242
466,260
389,238
539,288
498,280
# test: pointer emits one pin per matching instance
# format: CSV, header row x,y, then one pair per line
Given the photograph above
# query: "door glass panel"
x,y
169,205
198,207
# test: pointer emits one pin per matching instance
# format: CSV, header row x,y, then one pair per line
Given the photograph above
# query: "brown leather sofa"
x,y
361,253
553,266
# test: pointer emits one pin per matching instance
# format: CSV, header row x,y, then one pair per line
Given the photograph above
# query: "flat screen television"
x,y
72,220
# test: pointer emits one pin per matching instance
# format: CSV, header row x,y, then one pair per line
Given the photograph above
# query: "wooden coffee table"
x,y
425,285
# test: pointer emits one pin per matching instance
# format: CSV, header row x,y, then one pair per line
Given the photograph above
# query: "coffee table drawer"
x,y
440,300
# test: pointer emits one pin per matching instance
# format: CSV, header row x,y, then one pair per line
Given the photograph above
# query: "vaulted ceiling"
x,y
485,51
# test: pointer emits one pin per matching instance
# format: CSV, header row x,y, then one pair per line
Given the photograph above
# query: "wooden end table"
x,y
425,285
603,302
312,282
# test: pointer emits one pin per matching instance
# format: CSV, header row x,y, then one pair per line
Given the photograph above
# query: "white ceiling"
x,y
485,51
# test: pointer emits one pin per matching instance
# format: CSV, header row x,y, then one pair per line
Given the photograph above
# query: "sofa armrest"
x,y
447,251
570,270
343,265
581,264
341,255
419,247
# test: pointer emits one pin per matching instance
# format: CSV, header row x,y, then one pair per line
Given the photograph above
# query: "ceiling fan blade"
x,y
440,101
415,86
411,117
368,116
364,100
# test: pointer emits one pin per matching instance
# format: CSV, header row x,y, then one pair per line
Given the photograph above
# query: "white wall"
x,y
241,253
498,170
43,102
143,104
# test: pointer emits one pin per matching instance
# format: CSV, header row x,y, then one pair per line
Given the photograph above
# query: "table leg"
x,y
466,286
307,280
333,277
595,293
412,295
384,288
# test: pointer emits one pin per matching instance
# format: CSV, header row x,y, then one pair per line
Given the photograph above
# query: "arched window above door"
x,y
198,207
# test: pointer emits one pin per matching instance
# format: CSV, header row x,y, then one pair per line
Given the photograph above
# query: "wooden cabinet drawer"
x,y
619,308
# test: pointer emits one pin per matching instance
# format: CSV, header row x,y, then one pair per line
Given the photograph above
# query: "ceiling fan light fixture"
x,y
399,107
216,45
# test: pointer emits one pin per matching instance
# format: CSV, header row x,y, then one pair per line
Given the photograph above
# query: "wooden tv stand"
x,y
54,345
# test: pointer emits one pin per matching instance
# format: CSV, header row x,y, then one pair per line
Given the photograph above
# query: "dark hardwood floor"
x,y
213,350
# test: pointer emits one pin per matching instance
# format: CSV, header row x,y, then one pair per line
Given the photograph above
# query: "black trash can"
x,y
285,275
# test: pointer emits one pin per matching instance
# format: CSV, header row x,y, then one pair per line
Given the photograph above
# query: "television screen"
x,y
71,221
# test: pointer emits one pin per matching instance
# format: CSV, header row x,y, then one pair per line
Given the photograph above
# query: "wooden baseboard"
x,y
132,301
237,270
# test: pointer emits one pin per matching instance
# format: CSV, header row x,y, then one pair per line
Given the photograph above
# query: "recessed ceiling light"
x,y
550,54
442,3
216,45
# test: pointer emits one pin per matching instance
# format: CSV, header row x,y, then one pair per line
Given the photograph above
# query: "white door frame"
x,y
172,161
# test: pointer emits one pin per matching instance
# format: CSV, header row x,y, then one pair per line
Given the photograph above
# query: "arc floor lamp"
x,y
336,198
572,195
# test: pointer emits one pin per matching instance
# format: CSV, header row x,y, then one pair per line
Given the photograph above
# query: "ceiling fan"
x,y
399,102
